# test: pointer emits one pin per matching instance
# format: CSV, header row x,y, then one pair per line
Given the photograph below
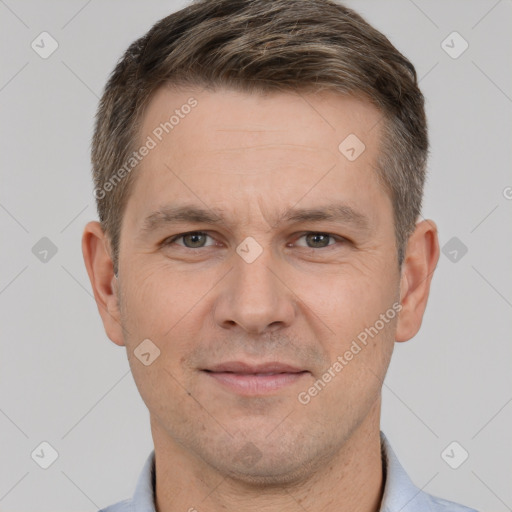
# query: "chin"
x,y
261,463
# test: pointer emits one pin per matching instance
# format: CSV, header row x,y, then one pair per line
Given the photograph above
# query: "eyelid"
x,y
337,238
172,239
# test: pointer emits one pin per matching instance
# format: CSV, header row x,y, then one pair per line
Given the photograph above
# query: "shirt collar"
x,y
144,496
400,494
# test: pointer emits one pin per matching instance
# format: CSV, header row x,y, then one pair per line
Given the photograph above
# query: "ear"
x,y
420,261
96,252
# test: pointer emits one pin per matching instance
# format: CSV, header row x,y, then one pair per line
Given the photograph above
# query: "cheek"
x,y
158,297
349,300
169,308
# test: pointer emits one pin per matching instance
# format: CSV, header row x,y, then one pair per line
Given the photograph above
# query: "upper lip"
x,y
247,368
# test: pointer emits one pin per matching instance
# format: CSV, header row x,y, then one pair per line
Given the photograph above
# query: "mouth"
x,y
255,379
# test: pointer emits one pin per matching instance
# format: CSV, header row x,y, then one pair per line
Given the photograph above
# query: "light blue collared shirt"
x,y
400,494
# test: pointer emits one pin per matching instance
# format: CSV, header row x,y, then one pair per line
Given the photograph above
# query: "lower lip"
x,y
252,384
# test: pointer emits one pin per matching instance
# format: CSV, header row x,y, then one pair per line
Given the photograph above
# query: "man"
x,y
259,169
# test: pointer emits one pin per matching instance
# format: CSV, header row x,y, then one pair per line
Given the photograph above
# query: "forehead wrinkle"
x,y
270,146
250,130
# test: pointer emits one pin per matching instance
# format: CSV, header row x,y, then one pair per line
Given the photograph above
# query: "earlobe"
x,y
98,261
418,268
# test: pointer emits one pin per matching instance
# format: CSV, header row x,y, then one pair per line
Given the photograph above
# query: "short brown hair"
x,y
264,46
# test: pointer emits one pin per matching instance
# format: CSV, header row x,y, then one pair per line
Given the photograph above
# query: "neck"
x,y
351,480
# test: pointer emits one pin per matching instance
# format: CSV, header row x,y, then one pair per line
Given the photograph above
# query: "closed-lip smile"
x,y
253,379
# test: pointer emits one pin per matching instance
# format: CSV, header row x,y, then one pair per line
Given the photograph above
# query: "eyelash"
x,y
172,240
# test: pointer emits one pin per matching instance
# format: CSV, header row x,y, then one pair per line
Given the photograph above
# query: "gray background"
x,y
64,382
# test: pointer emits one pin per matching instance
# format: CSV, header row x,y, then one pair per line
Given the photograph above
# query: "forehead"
x,y
228,148
318,121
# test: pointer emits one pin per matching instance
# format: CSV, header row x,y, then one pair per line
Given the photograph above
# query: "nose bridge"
x,y
254,297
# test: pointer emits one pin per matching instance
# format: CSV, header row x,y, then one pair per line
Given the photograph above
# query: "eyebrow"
x,y
334,212
169,215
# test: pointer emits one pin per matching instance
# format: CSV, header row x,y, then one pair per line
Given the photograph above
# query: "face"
x,y
253,254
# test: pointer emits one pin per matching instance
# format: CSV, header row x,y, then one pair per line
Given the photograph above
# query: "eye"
x,y
192,240
317,240
198,240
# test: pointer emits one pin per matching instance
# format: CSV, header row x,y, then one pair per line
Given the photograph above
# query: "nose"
x,y
255,297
